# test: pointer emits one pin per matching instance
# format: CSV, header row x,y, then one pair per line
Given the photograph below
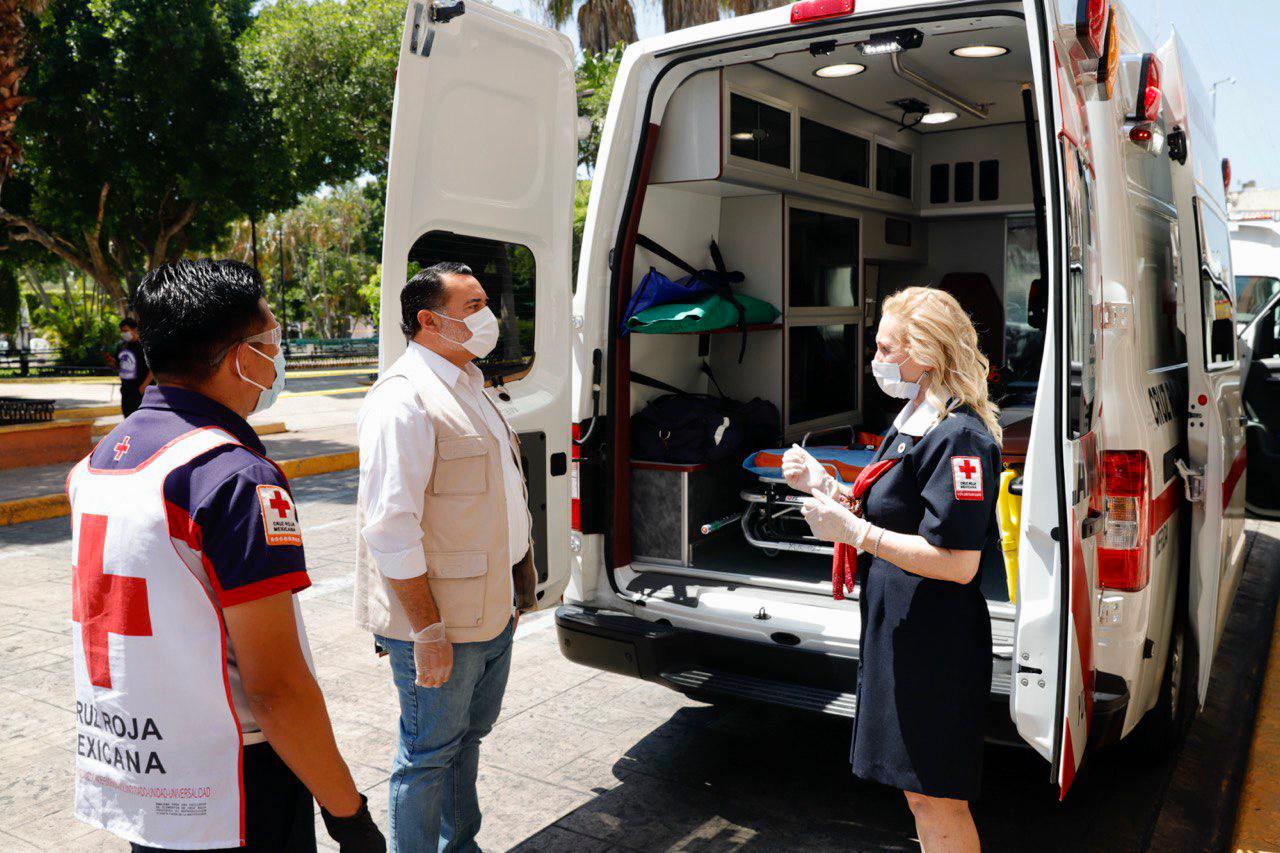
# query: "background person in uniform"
x,y
444,556
131,366
928,534
203,637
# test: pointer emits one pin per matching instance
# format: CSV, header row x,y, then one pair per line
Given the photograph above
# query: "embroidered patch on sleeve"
x,y
966,476
279,518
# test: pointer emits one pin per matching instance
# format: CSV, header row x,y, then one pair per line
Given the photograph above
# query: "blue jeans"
x,y
433,804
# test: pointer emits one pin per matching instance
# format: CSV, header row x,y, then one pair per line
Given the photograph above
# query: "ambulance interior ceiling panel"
x,y
993,82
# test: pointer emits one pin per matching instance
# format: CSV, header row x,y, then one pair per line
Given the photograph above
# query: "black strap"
x,y
666,254
640,379
721,280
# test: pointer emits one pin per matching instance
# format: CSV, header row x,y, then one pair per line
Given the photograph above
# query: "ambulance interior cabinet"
x,y
671,503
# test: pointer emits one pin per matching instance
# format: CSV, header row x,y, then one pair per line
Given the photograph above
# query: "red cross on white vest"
x,y
104,603
966,468
121,448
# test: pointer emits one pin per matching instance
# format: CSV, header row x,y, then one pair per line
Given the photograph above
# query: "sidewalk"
x,y
320,436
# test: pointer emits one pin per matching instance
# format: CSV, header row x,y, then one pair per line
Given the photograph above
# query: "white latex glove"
x,y
831,522
432,655
806,474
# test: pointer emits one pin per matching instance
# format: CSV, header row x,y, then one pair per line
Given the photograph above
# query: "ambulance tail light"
x,y
816,10
1091,26
1149,93
575,480
1122,551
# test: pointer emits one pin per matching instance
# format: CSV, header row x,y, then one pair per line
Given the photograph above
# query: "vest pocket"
x,y
460,468
458,584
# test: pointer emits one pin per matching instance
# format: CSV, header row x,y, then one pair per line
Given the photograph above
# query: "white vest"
x,y
158,742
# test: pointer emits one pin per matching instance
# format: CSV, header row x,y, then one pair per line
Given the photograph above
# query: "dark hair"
x,y
425,292
190,312
129,323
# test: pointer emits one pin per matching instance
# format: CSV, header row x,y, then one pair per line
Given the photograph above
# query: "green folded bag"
x,y
711,314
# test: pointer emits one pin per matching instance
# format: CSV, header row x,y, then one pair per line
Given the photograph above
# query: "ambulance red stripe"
x,y
1233,477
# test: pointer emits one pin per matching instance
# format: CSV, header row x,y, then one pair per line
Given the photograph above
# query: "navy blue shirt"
x,y
232,504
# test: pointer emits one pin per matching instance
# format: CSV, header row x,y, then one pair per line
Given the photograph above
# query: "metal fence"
x,y
299,353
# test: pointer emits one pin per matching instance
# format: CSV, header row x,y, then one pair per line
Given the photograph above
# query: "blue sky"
x,y
1227,38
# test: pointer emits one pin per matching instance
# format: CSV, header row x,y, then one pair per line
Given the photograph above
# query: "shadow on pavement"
x,y
737,777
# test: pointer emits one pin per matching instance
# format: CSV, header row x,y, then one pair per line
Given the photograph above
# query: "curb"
x,y
44,507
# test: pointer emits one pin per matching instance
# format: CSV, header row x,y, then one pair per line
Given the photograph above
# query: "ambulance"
x,y
1039,159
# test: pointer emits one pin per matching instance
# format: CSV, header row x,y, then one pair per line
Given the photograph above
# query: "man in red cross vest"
x,y
199,722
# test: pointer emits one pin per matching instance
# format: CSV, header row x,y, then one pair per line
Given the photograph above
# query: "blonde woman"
x,y
924,522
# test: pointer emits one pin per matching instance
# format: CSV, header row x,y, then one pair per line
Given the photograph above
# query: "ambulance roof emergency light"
x,y
1091,26
817,10
1109,64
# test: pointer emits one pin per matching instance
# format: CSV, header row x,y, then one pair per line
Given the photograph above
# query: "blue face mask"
x,y
268,397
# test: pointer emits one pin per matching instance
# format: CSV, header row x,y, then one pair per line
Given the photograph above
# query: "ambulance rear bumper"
x,y
714,668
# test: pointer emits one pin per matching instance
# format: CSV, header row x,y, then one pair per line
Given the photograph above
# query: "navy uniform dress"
x,y
925,672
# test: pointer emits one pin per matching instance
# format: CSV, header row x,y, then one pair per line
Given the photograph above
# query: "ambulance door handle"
x,y
1091,525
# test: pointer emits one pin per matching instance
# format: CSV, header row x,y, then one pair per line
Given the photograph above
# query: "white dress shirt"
x,y
397,455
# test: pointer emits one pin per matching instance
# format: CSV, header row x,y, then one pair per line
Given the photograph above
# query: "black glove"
x,y
357,833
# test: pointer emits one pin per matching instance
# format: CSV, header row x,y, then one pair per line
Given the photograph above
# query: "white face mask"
x,y
483,326
268,396
126,336
888,375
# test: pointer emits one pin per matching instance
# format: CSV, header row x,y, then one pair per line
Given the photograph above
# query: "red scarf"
x,y
844,562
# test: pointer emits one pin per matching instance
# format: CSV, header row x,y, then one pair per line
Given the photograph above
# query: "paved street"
x,y
580,760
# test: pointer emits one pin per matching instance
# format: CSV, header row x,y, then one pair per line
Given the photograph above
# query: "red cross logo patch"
x,y
279,517
121,448
966,476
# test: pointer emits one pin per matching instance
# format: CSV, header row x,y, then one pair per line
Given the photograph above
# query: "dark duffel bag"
x,y
684,428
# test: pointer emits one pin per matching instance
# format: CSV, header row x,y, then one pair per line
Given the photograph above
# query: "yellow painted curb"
x,y
56,506
273,428
33,509
323,464
325,392
86,412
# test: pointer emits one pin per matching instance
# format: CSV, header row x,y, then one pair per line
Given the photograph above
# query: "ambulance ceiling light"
x,y
895,41
840,69
938,118
980,51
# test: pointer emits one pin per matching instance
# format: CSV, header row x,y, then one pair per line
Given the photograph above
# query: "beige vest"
x,y
464,524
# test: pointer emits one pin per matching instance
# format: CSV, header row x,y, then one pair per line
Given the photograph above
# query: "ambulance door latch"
x,y
445,14
1192,481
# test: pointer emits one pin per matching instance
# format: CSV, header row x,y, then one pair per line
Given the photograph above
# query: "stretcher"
x,y
772,521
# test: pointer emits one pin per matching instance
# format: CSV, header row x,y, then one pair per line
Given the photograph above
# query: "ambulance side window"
x,y
508,273
1081,261
1217,296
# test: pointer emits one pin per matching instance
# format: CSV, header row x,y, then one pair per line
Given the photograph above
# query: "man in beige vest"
x,y
443,563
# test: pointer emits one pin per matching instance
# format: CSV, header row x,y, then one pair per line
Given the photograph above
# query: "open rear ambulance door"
x,y
1215,430
1215,461
482,167
1052,692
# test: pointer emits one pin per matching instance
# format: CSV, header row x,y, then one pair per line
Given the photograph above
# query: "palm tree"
x,y
678,14
746,7
13,45
602,23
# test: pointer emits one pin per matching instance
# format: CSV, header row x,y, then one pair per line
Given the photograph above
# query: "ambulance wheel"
x,y
1160,732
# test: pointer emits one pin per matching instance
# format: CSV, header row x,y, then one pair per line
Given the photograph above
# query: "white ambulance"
x,y
1037,158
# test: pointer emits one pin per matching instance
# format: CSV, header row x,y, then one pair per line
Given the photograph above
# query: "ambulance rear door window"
x,y
508,273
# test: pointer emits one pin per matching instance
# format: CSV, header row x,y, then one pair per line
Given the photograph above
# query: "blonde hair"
x,y
939,335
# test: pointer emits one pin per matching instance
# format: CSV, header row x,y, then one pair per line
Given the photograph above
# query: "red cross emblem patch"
x,y
279,518
966,476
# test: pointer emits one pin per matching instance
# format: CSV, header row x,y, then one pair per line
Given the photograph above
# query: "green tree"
x,y
595,75
143,138
327,70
